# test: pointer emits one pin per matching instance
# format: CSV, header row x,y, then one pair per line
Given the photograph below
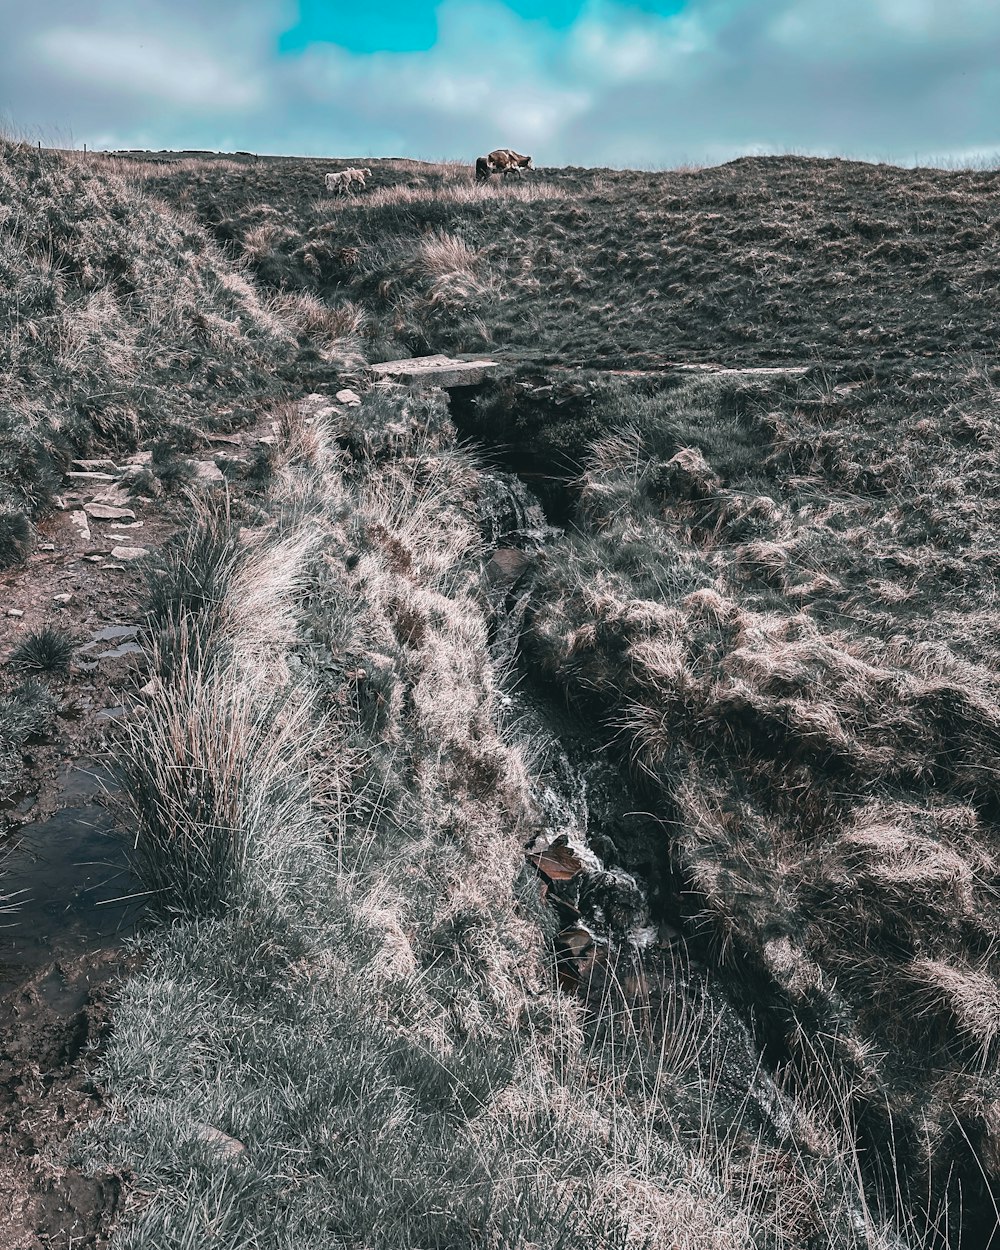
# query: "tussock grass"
x,y
120,314
27,711
825,752
355,985
47,650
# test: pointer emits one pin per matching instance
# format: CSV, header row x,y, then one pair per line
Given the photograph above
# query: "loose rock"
x,y
350,398
108,512
79,519
129,553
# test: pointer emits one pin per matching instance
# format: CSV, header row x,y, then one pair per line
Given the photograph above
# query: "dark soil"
x,y
52,1026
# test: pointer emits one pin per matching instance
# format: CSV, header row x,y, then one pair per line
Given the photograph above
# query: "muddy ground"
x,y
63,943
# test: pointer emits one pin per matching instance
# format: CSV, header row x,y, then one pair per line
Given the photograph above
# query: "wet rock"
x,y
111,632
507,565
112,713
129,553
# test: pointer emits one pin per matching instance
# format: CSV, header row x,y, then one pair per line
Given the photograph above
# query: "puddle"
x,y
69,877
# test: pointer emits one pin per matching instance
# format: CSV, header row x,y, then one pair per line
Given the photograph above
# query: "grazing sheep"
x,y
507,161
337,184
342,182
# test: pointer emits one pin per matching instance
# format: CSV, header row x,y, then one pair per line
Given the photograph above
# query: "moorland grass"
x,y
775,607
46,650
356,985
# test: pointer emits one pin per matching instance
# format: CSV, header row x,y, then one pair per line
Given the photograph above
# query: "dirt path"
x,y
61,952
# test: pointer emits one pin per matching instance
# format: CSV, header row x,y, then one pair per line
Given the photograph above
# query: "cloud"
x,y
573,81
137,64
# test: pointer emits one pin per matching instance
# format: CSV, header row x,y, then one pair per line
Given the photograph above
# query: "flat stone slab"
x,y
435,371
91,479
108,512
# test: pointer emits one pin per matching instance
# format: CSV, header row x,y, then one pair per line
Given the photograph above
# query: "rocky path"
x,y
60,949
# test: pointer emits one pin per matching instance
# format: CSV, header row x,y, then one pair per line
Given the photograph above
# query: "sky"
x,y
645,83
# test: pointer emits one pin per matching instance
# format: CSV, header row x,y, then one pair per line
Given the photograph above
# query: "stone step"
x,y
442,371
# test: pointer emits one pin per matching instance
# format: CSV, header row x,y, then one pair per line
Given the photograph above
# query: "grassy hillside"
x,y
776,259
756,673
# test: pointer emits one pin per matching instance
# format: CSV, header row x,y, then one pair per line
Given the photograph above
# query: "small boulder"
x,y
221,1143
688,475
207,471
129,553
350,398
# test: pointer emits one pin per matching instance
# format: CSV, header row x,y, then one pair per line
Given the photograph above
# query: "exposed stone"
x,y
93,559
225,1146
133,525
114,495
435,371
688,475
125,648
507,565
95,466
110,632
129,553
79,519
16,613
112,713
267,440
64,599
108,512
350,398
207,471
92,479
315,407
46,546
232,439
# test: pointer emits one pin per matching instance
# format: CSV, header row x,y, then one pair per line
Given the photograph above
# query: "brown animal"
x,y
507,161
483,169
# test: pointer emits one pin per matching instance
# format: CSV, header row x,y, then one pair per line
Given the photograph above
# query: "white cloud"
x,y
609,46
885,78
145,65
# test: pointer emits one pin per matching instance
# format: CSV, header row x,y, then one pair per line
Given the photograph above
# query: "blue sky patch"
x,y
364,26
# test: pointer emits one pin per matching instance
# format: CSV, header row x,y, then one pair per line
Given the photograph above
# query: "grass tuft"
x,y
47,650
